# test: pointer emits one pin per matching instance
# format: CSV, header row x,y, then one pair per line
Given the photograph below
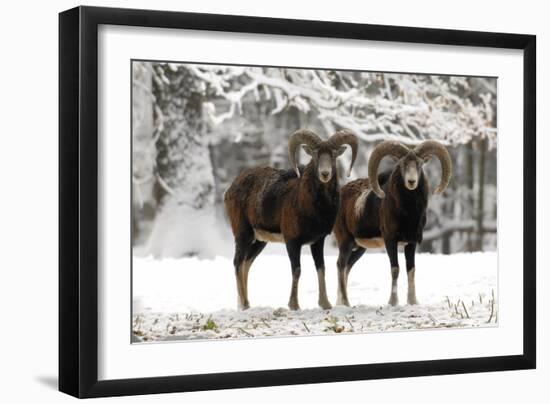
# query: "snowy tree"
x,y
376,106
183,165
201,116
143,149
380,106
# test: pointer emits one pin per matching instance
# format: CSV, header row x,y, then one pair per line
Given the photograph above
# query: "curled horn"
x,y
301,136
386,148
434,148
342,137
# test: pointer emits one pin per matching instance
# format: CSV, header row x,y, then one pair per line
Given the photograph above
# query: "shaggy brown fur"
x,y
277,201
387,210
264,204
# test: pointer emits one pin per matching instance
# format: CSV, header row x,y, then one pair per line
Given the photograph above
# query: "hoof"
x,y
342,302
393,301
293,306
325,305
244,306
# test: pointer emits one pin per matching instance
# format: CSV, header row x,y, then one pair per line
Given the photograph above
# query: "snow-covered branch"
x,y
408,108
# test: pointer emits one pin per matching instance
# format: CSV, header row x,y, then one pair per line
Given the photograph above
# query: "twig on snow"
x,y
245,332
350,324
465,311
492,311
305,326
432,318
492,306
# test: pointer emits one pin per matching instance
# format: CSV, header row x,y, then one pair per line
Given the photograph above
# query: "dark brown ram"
x,y
295,207
387,210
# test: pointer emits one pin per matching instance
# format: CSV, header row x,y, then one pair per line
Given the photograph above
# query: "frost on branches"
x,y
376,106
195,126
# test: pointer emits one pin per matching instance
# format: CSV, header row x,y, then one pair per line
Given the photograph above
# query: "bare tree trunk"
x,y
183,166
183,160
481,193
446,239
143,150
470,185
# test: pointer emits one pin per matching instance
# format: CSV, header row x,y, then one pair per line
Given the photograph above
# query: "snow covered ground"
x,y
192,298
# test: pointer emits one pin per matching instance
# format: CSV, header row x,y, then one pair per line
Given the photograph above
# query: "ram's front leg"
x,y
409,257
318,258
391,249
293,249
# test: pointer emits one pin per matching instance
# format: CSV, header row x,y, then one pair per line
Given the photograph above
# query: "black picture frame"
x,y
78,201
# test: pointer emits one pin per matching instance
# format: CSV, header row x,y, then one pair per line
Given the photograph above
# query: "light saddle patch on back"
x,y
268,237
360,202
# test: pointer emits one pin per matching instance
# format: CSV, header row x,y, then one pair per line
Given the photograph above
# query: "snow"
x,y
171,235
192,298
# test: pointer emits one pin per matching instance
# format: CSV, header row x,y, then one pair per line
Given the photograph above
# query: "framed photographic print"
x,y
251,201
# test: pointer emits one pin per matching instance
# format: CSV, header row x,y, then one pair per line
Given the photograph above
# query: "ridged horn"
x,y
434,148
342,137
301,136
386,148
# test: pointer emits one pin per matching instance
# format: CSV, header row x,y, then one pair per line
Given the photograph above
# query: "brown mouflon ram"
x,y
387,210
296,207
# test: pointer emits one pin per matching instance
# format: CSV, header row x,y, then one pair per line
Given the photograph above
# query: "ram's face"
x,y
411,170
324,160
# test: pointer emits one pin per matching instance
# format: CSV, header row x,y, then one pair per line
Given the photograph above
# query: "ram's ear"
x,y
338,152
308,149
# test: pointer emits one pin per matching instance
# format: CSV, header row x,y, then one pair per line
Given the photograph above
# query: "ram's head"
x,y
323,152
410,162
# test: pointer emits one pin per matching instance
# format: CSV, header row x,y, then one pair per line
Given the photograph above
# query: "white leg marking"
x,y
293,301
393,297
411,294
323,299
245,269
242,302
343,288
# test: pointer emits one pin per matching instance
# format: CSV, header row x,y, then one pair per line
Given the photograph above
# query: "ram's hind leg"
x,y
252,252
294,249
238,261
319,259
242,244
353,258
345,249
